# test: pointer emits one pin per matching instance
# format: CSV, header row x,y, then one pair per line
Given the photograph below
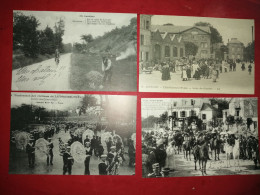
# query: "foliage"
x,y
87,38
215,36
197,121
25,34
222,105
249,52
230,120
191,49
163,118
149,121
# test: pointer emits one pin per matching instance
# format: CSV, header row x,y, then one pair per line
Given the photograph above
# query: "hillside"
x,y
117,40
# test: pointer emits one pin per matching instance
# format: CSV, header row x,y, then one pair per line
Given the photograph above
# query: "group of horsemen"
x,y
156,144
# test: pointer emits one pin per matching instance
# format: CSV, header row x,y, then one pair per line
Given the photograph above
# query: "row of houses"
x,y
180,109
167,42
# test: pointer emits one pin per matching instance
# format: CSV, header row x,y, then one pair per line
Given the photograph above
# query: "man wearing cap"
x,y
30,149
102,166
107,69
67,161
50,152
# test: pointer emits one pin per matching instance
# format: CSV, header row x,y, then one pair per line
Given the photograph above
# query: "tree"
x,y
222,104
47,41
25,34
87,101
59,29
190,49
223,50
163,118
249,52
215,36
149,121
87,38
230,120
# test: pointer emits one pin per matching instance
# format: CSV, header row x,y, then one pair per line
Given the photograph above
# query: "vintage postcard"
x,y
72,134
199,136
74,51
196,55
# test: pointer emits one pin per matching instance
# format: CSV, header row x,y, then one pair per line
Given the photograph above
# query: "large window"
x,y
181,52
142,40
204,116
167,51
175,52
183,113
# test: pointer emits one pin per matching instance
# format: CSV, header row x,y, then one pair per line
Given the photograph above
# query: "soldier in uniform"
x,y
50,152
102,166
30,149
67,161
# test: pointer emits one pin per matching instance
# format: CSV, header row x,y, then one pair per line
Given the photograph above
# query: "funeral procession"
x,y
196,55
72,134
199,137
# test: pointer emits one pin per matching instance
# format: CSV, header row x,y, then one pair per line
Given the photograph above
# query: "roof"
x,y
177,29
234,40
207,105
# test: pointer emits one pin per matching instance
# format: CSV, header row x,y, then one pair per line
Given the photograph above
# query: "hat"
x,y
113,147
68,147
103,156
49,138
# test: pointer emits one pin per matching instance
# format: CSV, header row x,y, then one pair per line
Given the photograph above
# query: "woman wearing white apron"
x,y
170,160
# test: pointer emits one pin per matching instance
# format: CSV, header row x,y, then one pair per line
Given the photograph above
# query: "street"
x,y
186,167
18,163
237,82
43,76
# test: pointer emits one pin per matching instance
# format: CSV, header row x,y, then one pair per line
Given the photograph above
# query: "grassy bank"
x,y
123,79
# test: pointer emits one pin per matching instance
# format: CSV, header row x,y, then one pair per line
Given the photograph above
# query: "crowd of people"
x,y
196,69
160,148
111,155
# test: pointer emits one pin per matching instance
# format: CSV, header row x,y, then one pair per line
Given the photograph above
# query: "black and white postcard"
x,y
199,136
72,134
196,55
74,51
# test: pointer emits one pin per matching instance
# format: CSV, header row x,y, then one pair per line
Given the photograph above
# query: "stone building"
x,y
167,42
245,108
181,109
235,49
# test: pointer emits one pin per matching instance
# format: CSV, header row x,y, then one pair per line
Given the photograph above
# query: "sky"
x,y
228,28
76,22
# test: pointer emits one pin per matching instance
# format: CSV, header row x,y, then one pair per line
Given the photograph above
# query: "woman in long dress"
x,y
166,72
184,74
170,160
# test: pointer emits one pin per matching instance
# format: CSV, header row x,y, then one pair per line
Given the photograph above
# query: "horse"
x,y
187,148
236,154
178,142
201,154
215,146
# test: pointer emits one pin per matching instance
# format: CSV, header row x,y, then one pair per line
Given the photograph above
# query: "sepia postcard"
x,y
74,51
199,136
196,55
72,134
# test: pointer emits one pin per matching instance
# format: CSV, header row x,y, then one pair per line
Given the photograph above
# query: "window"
x,y
183,113
167,51
147,26
142,39
181,52
174,103
225,114
175,114
238,56
204,116
146,56
175,52
237,113
192,113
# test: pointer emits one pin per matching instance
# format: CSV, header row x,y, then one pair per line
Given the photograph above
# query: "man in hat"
x,y
102,166
107,69
88,155
30,149
67,161
50,152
